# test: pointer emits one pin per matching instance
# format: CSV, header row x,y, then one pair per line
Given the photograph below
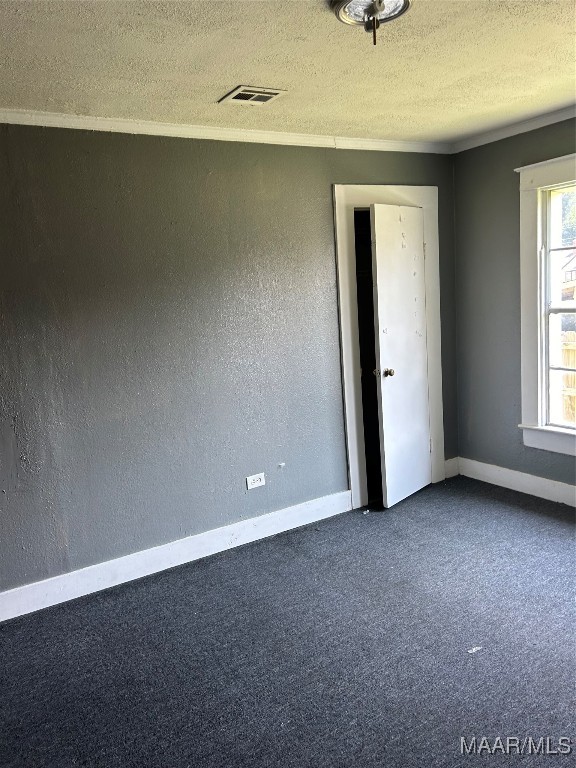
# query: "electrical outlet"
x,y
255,481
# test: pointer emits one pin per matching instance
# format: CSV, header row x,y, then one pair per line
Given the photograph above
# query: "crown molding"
x,y
506,131
121,125
385,145
213,133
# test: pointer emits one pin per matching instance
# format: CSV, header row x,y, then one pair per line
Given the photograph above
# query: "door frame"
x,y
347,197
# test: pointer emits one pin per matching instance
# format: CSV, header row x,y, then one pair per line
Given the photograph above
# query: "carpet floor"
x,y
345,644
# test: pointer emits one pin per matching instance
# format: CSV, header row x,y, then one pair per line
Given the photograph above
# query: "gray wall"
x,y
488,300
169,325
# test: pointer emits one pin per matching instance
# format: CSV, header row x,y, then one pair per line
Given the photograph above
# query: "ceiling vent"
x,y
246,94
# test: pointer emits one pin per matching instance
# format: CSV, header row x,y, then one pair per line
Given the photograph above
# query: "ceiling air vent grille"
x,y
246,94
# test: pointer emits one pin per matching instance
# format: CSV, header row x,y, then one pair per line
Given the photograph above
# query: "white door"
x,y
401,350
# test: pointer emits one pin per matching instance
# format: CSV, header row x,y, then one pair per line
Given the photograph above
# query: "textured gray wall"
x,y
488,303
169,325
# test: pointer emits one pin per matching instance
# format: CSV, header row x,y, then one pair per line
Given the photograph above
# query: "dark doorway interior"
x,y
368,354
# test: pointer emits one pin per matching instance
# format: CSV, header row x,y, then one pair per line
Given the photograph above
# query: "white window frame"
x,y
535,180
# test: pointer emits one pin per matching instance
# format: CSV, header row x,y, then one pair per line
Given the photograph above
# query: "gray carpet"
x,y
340,645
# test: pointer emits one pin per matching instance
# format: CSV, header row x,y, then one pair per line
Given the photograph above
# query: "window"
x,y
559,248
548,298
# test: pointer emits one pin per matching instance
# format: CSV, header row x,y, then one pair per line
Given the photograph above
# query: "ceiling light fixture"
x,y
369,13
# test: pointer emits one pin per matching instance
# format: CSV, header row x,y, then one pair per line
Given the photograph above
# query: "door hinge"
x,y
430,445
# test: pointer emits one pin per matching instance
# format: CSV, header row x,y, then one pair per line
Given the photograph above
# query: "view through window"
x,y
560,327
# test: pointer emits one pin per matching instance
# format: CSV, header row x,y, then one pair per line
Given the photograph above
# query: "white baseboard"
x,y
59,589
452,467
553,490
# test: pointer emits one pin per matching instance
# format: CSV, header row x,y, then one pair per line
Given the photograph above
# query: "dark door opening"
x,y
365,295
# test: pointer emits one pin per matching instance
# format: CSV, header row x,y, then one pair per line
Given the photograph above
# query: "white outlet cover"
x,y
255,481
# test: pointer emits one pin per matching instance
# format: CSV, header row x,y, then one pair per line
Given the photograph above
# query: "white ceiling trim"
x,y
514,129
149,128
120,125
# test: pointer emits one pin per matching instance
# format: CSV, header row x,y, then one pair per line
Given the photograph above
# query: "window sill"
x,y
553,439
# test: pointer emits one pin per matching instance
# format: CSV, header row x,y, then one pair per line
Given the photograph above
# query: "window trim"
x,y
533,178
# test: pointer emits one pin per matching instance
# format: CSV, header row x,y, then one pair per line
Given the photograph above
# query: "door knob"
x,y
388,371
376,371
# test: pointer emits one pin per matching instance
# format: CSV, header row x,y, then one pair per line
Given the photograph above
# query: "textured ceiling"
x,y
444,70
